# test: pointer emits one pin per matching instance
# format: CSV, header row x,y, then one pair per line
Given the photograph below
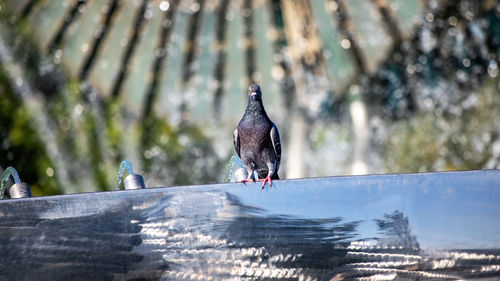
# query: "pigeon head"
x,y
254,92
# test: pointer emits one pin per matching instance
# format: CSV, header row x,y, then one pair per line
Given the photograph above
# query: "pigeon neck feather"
x,y
255,110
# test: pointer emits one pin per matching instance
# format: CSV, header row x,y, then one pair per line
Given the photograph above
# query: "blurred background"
x,y
355,87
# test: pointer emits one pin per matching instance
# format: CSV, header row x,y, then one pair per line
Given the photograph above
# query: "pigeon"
x,y
257,140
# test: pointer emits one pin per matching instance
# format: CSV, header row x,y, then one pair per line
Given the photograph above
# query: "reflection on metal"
x,y
133,180
437,226
18,189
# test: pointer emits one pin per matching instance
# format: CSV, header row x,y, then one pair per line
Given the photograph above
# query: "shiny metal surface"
x,y
20,190
134,181
436,226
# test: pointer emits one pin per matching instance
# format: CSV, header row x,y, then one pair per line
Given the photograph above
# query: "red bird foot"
x,y
246,180
265,180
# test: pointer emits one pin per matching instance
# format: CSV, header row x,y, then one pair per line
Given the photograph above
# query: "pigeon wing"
x,y
275,138
236,141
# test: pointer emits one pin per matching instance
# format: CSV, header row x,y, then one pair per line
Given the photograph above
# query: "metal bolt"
x,y
18,189
133,180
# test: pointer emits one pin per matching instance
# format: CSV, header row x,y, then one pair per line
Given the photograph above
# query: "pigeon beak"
x,y
253,95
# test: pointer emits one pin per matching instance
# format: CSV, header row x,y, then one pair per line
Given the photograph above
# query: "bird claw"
x,y
268,178
263,184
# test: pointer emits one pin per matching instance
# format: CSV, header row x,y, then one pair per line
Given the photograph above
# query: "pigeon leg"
x,y
268,178
271,169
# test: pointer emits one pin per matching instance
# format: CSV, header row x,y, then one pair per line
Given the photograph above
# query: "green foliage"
x,y
435,142
89,132
20,145
114,130
93,132
178,155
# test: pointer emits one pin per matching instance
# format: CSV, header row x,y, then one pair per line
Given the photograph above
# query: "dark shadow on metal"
x,y
436,226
